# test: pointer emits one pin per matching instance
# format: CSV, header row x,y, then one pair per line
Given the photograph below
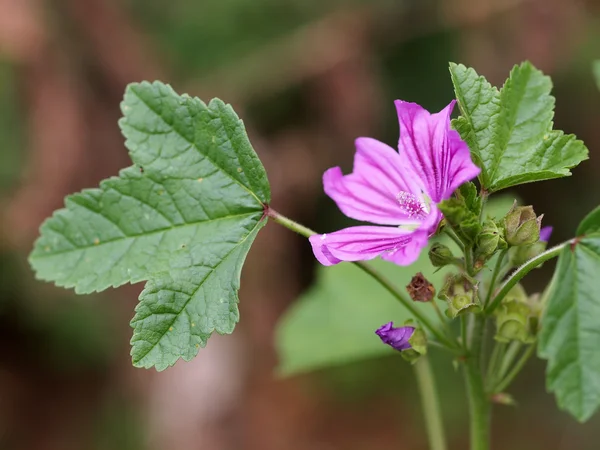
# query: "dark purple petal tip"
x,y
396,338
545,233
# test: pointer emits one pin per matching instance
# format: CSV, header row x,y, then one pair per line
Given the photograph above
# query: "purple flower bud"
x,y
545,233
395,337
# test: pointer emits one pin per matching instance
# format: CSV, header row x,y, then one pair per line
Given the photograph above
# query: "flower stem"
x,y
452,234
374,273
463,331
504,383
493,363
509,357
495,277
289,223
443,319
431,407
479,405
518,274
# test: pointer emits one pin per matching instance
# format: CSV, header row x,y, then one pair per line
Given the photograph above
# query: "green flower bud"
x,y
440,255
418,346
522,226
490,239
517,317
460,296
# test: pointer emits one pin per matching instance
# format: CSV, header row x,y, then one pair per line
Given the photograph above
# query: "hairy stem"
x,y
452,234
518,274
374,273
289,223
495,277
431,407
479,405
463,332
493,364
505,382
509,357
469,260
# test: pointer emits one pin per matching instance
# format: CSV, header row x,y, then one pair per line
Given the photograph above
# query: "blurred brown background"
x,y
307,76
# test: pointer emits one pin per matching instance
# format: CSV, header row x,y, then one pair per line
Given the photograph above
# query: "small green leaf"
x,y
590,223
468,192
464,221
570,335
510,131
182,218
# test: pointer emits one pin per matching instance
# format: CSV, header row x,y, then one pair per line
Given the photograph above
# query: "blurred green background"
x,y
308,77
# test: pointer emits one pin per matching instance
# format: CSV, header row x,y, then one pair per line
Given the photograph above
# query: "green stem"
x,y
479,408
289,223
495,277
374,273
518,274
509,357
479,405
452,234
492,369
515,370
431,407
483,194
463,331
469,260
443,319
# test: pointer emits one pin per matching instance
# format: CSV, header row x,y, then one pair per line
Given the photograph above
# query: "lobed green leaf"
x,y
182,218
510,131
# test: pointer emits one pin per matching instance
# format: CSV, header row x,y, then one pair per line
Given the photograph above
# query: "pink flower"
x,y
396,189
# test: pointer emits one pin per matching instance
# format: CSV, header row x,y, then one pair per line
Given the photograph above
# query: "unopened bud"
x,y
440,255
419,289
460,295
490,239
522,225
418,346
522,254
516,318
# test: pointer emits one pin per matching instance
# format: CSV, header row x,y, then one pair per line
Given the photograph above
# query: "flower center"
x,y
412,206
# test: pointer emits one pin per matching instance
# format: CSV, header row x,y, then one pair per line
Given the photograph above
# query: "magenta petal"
x,y
321,251
370,192
367,242
435,152
408,254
